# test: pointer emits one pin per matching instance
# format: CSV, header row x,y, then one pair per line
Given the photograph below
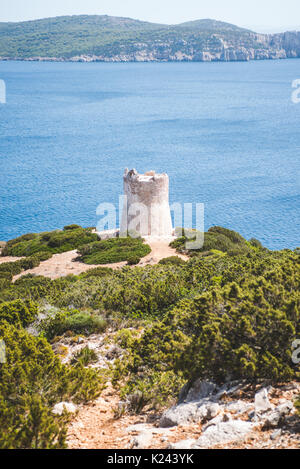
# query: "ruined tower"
x,y
146,208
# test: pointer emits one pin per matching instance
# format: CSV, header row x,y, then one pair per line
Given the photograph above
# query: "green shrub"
x,y
18,312
52,242
71,227
97,272
133,260
85,356
43,256
29,263
256,243
113,250
217,238
241,326
6,275
75,321
32,380
173,260
14,268
152,390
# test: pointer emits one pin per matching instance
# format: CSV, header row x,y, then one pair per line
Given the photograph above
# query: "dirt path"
x,y
95,427
9,259
160,249
64,264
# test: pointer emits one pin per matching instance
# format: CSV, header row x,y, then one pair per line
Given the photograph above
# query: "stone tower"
x,y
146,208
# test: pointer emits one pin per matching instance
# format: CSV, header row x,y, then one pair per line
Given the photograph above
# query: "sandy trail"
x,y
9,259
64,264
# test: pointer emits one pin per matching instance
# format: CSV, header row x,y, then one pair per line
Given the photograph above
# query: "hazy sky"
x,y
261,15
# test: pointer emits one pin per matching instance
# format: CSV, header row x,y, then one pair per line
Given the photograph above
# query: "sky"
x,y
260,15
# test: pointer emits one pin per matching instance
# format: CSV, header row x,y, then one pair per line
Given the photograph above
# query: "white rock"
x,y
183,414
200,390
62,407
271,419
239,407
184,444
261,402
141,441
224,433
276,434
179,415
220,418
286,408
212,410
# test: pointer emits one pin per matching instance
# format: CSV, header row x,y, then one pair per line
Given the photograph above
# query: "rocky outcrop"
x,y
224,419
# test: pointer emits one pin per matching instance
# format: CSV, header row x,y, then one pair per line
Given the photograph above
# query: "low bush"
x,y
52,242
18,312
114,250
97,272
32,381
239,328
173,260
75,321
152,390
133,260
217,238
85,356
71,227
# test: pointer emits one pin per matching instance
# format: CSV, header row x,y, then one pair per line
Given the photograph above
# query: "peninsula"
x,y
87,38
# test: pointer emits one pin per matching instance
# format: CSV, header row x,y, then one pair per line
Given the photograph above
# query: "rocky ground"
x,y
207,416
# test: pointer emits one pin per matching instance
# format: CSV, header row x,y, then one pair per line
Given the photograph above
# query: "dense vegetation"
x,y
32,380
108,37
216,239
230,312
72,237
114,250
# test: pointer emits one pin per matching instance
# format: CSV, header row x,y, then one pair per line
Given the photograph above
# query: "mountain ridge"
x,y
106,38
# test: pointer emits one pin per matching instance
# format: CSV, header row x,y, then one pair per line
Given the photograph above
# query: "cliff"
x,y
112,39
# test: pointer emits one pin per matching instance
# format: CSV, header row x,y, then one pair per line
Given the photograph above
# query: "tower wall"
x,y
149,191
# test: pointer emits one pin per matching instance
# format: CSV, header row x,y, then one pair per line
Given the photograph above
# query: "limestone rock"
x,y
261,401
185,413
224,433
184,444
200,390
142,440
274,418
62,407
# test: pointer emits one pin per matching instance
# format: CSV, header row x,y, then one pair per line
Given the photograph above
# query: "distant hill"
x,y
107,38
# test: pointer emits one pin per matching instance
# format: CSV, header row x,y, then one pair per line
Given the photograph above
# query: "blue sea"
x,y
227,134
